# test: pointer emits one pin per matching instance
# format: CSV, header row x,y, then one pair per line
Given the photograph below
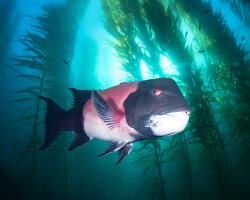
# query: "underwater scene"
x,y
124,99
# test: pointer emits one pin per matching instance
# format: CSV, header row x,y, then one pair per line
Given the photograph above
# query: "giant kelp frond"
x,y
134,42
32,67
60,23
202,128
152,30
50,41
153,159
35,63
135,38
121,26
227,72
157,29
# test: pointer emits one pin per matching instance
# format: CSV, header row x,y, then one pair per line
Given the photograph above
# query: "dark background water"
x,y
49,46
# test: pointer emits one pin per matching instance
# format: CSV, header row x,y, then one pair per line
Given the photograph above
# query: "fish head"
x,y
157,105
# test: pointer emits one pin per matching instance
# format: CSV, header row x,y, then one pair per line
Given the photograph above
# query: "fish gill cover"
x,y
194,42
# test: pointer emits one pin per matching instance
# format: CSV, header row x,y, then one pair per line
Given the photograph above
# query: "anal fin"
x,y
114,146
79,140
124,151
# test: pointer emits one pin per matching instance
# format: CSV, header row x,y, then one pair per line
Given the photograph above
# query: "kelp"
x,y
9,20
125,21
206,139
138,32
152,158
226,63
213,150
36,60
173,41
61,23
147,29
167,33
37,66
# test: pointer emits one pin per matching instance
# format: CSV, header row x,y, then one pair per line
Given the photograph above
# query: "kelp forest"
x,y
50,46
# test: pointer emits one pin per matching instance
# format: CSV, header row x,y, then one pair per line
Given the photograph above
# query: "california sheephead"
x,y
123,114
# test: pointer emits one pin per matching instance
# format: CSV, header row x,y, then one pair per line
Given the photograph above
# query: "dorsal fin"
x,y
80,96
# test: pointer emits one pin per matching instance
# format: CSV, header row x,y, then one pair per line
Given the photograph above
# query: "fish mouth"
x,y
176,112
169,123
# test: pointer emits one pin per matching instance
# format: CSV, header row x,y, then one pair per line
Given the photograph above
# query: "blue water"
x,y
49,46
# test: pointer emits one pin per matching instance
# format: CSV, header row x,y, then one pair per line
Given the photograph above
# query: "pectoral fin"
x,y
108,113
124,151
114,146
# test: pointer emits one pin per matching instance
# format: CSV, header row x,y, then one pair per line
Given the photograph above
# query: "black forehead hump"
x,y
160,83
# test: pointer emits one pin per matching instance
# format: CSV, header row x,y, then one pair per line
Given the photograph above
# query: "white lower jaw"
x,y
168,124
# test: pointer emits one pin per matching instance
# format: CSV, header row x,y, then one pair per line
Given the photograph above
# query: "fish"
x,y
202,51
223,39
122,115
65,61
243,38
206,11
186,33
199,26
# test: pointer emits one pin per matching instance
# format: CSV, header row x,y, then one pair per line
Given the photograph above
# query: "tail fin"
x,y
53,119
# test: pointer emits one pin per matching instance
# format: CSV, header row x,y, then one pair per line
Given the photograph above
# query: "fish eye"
x,y
156,92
